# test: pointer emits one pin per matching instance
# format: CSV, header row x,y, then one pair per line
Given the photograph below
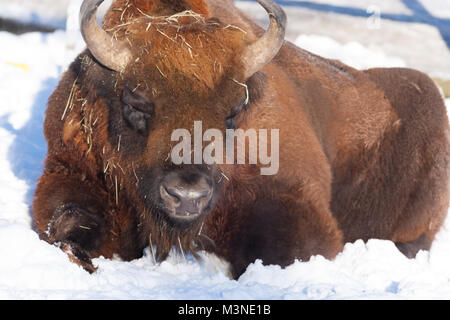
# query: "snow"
x,y
392,6
438,8
30,66
49,13
352,53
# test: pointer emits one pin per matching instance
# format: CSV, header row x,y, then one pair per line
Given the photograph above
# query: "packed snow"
x,y
30,66
48,13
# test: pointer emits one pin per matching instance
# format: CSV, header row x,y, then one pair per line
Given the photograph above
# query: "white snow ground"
x,y
39,12
30,66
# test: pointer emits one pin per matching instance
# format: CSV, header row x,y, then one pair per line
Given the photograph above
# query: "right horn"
x,y
110,52
261,52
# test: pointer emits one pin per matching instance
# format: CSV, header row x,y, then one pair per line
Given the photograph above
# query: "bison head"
x,y
156,73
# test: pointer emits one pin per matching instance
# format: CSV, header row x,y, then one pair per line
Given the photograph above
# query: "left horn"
x,y
261,52
109,51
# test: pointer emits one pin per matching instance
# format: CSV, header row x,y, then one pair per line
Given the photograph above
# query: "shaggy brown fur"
x,y
363,154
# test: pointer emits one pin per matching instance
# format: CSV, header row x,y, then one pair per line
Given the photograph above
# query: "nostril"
x,y
169,196
203,201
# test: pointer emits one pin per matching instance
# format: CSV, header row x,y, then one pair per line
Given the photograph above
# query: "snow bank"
x,y
49,13
31,269
352,53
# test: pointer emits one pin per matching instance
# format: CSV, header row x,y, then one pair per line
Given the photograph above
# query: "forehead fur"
x,y
127,10
183,47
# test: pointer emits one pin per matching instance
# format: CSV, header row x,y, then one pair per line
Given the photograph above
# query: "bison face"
x,y
168,72
140,130
171,87
180,194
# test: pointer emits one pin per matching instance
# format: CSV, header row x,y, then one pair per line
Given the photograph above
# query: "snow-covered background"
x,y
30,67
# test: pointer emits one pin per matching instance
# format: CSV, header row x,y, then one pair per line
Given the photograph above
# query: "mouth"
x,y
184,217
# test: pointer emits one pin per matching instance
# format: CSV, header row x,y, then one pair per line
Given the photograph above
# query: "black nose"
x,y
185,199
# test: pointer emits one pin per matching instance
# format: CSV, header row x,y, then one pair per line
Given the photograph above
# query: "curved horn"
x,y
261,52
110,52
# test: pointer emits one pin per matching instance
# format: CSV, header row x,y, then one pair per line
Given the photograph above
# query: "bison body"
x,y
362,154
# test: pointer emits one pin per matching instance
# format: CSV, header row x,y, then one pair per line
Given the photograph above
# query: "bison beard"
x,y
363,154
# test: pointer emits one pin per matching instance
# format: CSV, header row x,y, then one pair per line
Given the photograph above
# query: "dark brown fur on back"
x,y
363,154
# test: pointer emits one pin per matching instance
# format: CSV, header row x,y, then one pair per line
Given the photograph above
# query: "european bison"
x,y
362,154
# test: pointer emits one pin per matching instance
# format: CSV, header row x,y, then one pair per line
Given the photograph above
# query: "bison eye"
x,y
135,118
230,121
136,110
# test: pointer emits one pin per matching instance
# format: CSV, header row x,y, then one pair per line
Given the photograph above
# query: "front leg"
x,y
69,213
77,232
